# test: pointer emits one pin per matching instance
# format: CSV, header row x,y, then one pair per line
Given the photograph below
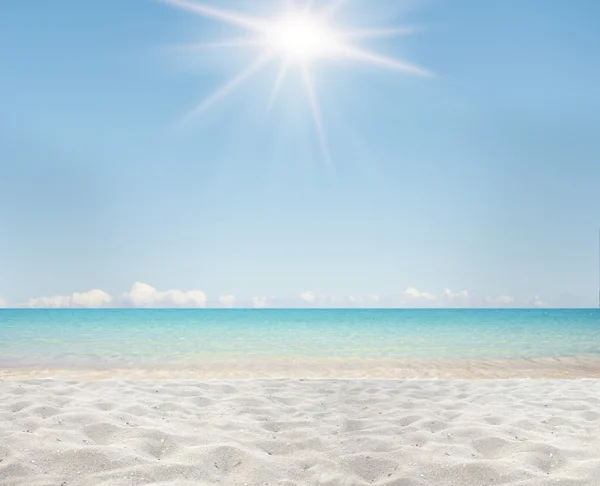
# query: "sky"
x,y
475,186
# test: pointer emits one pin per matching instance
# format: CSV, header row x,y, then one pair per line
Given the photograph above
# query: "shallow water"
x,y
69,338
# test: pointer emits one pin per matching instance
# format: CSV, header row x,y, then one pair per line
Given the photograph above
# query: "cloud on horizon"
x,y
366,301
537,302
415,298
142,295
501,301
309,297
228,301
261,302
82,300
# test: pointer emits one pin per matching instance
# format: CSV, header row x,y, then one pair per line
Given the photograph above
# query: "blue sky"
x,y
483,178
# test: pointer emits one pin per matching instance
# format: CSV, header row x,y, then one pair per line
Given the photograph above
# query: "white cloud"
x,y
501,301
57,301
92,299
412,293
227,301
311,299
261,302
308,296
144,295
371,300
412,297
538,302
415,297
3,303
456,298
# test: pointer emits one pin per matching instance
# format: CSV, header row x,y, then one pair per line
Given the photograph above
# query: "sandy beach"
x,y
320,368
300,432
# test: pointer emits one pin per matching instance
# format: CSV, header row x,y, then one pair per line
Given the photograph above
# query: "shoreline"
x,y
333,368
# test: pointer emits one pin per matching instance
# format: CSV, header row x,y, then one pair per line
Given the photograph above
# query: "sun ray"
x,y
289,5
375,33
301,35
331,9
226,43
280,77
227,16
228,87
356,53
316,112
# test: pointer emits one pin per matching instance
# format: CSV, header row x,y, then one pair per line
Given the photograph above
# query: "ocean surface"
x,y
105,338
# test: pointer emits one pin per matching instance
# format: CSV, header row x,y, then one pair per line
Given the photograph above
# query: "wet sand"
x,y
542,368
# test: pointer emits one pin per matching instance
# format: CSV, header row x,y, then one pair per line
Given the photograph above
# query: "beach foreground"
x,y
300,432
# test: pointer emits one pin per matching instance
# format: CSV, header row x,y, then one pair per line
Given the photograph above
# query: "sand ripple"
x,y
300,432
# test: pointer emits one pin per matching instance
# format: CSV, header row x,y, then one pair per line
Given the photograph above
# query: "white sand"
x,y
300,432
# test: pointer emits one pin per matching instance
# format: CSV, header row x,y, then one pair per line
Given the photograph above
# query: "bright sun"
x,y
300,38
296,38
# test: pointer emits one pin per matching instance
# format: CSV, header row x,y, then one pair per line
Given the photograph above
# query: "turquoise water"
x,y
180,337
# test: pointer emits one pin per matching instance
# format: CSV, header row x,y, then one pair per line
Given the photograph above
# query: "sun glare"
x,y
301,38
296,38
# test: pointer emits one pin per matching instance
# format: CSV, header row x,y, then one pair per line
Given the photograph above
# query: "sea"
x,y
68,338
